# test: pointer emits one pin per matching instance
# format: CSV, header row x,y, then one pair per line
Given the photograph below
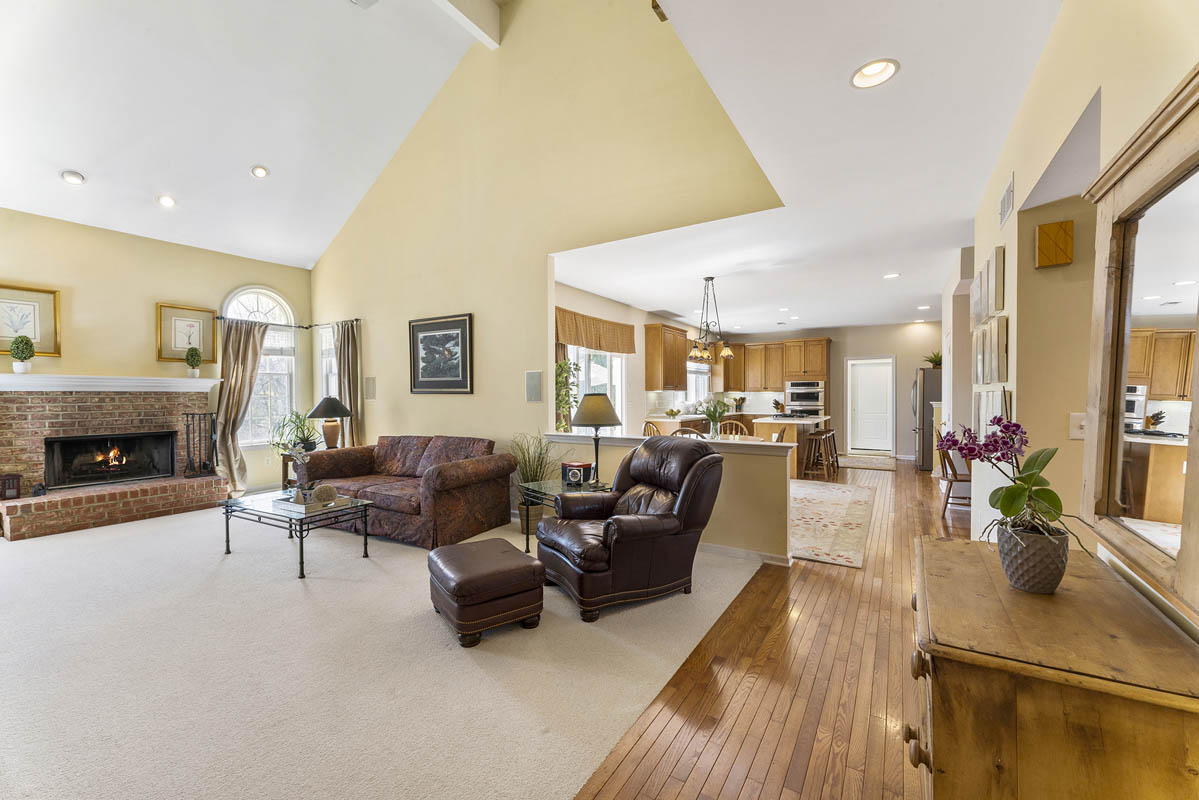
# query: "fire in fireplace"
x,y
109,458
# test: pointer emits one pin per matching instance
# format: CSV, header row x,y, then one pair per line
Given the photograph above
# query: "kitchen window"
x,y
603,373
699,382
274,389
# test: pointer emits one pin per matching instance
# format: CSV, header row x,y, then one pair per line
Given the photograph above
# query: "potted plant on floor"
x,y
193,358
537,459
713,411
294,430
21,351
1033,541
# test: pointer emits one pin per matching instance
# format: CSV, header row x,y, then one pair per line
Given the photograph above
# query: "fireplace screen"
x,y
108,458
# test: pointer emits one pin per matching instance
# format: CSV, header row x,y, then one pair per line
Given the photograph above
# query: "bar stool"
x,y
816,463
836,459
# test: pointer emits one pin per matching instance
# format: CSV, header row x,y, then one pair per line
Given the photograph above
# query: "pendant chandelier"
x,y
711,336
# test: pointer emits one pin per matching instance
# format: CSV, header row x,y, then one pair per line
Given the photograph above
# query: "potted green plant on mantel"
x,y
22,352
1034,543
537,459
193,358
294,430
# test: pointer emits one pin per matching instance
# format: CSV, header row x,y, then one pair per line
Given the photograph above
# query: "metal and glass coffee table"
x,y
543,493
261,508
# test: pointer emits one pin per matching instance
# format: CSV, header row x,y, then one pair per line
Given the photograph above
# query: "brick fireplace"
x,y
115,448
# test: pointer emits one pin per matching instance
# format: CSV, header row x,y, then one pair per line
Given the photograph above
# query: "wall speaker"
x,y
533,386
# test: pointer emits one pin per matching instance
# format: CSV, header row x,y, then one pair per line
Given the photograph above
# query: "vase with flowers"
x,y
1033,541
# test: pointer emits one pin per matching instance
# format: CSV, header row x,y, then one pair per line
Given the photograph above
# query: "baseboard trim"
x,y
749,555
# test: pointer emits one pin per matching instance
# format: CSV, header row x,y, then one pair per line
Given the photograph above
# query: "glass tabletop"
x,y
559,486
265,504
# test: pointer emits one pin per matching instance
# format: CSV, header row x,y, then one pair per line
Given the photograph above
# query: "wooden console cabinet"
x,y
1087,693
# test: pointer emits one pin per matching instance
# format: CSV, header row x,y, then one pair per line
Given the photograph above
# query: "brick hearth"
x,y
28,417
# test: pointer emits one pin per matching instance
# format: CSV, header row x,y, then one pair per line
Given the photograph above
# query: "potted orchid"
x,y
1033,541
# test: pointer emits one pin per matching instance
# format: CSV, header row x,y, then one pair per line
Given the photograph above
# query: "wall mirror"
x,y
1142,430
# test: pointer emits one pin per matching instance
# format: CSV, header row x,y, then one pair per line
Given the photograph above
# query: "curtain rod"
x,y
299,327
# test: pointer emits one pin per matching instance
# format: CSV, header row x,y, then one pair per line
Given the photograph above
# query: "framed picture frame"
x,y
33,312
181,327
998,338
441,354
984,301
976,302
995,281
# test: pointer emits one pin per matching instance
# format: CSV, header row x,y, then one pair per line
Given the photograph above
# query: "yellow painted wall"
x,y
1134,54
110,283
590,123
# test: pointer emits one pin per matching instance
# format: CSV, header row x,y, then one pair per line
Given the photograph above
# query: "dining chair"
x,y
733,426
687,432
951,476
650,429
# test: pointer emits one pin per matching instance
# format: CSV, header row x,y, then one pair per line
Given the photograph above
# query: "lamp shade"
x,y
595,411
329,408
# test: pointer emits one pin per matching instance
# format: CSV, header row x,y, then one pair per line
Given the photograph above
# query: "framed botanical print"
x,y
32,312
441,354
182,327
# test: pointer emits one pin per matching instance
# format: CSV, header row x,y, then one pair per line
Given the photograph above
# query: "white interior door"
x,y
871,405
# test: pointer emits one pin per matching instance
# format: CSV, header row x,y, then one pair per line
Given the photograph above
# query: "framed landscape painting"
x,y
26,311
441,354
181,327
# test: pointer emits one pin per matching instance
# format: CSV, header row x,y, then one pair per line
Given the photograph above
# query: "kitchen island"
x,y
1156,478
793,430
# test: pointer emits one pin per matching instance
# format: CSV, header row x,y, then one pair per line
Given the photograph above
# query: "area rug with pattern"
x,y
829,522
857,461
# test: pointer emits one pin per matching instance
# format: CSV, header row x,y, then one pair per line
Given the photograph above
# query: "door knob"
x,y
910,734
918,756
919,665
914,602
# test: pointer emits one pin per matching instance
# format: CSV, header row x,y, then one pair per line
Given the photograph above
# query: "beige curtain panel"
x,y
592,332
241,348
349,378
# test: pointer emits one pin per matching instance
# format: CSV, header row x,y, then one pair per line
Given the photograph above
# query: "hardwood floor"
x,y
801,688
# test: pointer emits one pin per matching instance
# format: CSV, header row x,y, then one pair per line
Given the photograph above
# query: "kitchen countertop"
x,y
792,420
1167,440
679,418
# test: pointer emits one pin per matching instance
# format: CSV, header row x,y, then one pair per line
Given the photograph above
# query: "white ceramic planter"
x,y
193,373
21,367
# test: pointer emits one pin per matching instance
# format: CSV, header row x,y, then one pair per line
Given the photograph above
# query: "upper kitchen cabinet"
x,y
734,369
1169,373
773,375
665,358
805,359
755,367
1140,355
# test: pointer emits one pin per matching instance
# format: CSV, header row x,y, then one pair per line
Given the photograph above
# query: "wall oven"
x,y
804,393
1134,404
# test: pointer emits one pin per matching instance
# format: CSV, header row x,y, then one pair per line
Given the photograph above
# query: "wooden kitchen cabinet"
x,y
1140,355
666,350
793,359
805,359
734,369
755,367
1089,693
1170,361
773,377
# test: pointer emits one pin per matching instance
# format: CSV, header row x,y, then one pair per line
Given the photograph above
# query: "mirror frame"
x,y
1161,154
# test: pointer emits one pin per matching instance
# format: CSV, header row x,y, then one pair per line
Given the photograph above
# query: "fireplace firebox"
x,y
109,458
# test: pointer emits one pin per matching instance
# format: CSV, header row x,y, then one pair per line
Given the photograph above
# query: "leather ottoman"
x,y
481,585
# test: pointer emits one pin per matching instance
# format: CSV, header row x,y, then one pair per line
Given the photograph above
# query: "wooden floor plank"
x,y
800,689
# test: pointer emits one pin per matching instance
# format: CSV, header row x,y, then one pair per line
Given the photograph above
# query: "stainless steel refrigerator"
x,y
926,390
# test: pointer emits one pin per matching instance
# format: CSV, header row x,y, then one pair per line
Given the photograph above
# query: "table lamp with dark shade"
x,y
331,410
595,411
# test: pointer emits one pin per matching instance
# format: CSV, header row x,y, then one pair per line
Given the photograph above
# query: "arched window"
x,y
275,388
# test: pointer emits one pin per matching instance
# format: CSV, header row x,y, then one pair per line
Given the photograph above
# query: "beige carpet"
x,y
829,522
139,661
858,461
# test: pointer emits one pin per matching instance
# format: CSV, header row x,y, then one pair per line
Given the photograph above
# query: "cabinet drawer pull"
x,y
919,665
910,734
918,756
914,602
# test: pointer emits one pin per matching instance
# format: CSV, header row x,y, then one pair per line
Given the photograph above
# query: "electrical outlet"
x,y
1078,425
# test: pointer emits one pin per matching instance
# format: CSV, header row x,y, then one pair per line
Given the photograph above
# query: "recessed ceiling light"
x,y
784,309
875,73
72,177
697,311
890,276
923,308
736,327
259,171
1152,297
795,318
920,320
1184,283
166,201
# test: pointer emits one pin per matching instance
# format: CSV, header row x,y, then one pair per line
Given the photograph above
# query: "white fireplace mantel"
x,y
34,382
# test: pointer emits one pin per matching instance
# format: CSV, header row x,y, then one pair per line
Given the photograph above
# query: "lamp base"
x,y
332,431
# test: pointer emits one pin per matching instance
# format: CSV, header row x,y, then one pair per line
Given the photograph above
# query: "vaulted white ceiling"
x,y
873,181
147,97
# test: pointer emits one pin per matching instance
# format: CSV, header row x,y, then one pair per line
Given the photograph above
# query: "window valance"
x,y
594,333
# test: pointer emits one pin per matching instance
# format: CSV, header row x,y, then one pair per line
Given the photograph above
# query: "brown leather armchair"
x,y
638,540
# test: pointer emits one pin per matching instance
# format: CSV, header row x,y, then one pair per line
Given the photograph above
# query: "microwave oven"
x,y
804,393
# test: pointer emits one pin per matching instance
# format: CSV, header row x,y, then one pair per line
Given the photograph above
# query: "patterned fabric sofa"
x,y
427,490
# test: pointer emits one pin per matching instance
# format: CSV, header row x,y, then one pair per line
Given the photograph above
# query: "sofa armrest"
x,y
341,462
585,505
632,527
456,474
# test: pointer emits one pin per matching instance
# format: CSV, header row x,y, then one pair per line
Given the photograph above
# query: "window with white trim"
x,y
327,361
699,381
275,388
600,372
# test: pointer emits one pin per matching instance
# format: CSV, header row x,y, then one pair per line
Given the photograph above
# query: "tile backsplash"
x,y
1178,414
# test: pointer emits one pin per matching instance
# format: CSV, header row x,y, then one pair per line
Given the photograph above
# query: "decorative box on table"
x,y
576,473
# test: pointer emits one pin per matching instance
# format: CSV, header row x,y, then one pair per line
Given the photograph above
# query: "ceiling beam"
x,y
480,17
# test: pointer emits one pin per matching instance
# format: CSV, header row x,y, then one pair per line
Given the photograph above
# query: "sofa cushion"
x,y
351,487
581,541
475,572
444,449
401,495
400,455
